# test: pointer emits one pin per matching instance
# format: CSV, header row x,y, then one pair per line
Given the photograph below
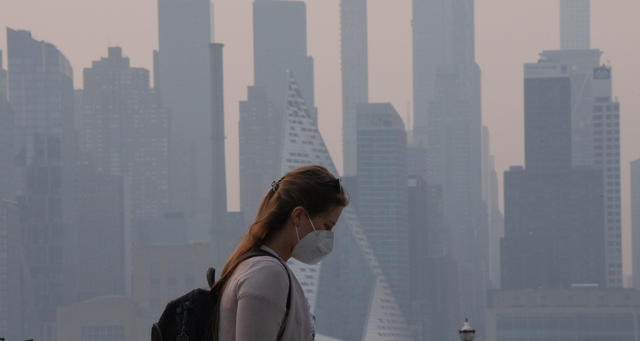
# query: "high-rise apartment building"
x,y
41,94
355,75
490,196
382,191
635,221
126,131
184,29
370,312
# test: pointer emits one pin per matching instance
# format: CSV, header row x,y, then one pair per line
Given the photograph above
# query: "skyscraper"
x,y
13,276
355,75
382,189
490,197
41,94
554,212
595,120
126,131
7,163
447,123
184,29
575,21
635,221
279,45
348,292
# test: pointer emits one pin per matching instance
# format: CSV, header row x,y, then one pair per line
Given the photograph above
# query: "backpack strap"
x,y
260,252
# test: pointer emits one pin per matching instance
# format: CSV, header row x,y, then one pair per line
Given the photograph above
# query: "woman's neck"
x,y
281,245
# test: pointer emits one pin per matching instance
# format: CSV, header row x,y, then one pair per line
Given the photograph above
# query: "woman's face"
x,y
326,220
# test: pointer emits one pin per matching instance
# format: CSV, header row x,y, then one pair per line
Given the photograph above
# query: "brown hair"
x,y
312,187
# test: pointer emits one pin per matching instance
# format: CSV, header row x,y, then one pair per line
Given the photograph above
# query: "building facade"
x,y
184,35
382,191
635,222
577,313
41,94
575,22
355,75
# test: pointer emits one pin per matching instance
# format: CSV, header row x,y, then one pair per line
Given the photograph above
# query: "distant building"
x,y
184,84
14,278
260,141
7,149
577,313
355,75
595,137
162,273
490,195
126,131
382,190
635,221
41,93
371,311
575,21
554,212
279,45
114,318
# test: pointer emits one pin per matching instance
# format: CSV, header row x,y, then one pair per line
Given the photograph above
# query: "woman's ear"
x,y
296,215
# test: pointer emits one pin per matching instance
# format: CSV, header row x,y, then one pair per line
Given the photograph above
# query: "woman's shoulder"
x,y
262,275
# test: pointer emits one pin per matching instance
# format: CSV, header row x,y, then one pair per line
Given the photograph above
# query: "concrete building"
x,y
382,190
126,131
114,318
575,22
184,35
348,291
554,212
41,94
635,222
573,313
7,149
355,75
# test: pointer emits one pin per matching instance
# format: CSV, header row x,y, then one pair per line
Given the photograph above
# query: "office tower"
x,y
260,140
219,175
490,196
575,21
635,221
369,312
447,123
126,131
382,189
279,44
184,29
595,138
41,94
554,212
355,75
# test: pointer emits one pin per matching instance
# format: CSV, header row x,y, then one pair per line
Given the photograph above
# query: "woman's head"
x,y
305,198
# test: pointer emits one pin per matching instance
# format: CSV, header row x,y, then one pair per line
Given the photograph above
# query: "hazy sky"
x,y
508,34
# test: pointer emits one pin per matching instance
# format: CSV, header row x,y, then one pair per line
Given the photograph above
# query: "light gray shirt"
x,y
254,302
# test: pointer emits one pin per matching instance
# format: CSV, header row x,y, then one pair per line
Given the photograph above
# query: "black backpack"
x,y
191,317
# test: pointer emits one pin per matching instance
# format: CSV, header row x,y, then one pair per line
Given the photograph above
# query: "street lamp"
x,y
466,332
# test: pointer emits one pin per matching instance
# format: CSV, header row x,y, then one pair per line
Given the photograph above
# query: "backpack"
x,y
191,317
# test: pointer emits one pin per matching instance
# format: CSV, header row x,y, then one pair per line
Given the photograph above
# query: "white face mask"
x,y
313,247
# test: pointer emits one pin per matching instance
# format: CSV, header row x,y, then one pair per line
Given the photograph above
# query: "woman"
x,y
295,219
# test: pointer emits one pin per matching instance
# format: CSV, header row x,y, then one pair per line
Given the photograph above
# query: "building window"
x,y
103,333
